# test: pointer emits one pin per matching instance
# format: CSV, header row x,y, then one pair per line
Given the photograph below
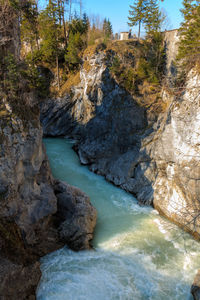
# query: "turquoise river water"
x,y
138,254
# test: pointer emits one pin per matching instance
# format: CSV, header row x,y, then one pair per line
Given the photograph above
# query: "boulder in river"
x,y
77,216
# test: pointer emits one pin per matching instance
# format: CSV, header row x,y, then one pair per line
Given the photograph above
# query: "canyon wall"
x,y
150,153
37,213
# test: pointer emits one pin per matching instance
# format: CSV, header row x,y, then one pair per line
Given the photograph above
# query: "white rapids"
x,y
138,254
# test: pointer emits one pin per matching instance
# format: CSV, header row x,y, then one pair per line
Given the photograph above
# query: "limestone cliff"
x,y
150,152
37,213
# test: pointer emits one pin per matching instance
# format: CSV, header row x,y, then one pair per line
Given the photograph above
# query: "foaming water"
x,y
138,254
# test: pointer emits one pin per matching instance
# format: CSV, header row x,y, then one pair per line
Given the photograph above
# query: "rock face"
x,y
171,43
37,214
27,195
154,156
18,281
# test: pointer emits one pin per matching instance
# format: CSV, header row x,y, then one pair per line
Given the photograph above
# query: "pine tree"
x,y
29,24
189,46
50,31
153,17
75,45
86,23
79,25
107,28
137,14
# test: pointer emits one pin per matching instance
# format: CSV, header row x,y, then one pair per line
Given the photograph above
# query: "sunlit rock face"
x,y
97,105
171,38
155,157
176,152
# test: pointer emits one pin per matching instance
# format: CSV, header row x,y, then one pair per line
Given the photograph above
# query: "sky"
x,y
117,12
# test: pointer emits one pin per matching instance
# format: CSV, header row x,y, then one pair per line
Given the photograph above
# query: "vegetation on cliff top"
x,y
55,43
189,46
138,66
53,39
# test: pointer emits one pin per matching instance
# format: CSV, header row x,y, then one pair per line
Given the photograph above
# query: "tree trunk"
x,y
36,29
63,21
80,9
59,12
58,75
37,41
64,28
139,30
70,10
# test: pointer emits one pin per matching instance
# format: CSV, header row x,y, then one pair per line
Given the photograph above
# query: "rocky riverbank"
x,y
37,214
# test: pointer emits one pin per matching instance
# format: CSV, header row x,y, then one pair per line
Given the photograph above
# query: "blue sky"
x,y
117,12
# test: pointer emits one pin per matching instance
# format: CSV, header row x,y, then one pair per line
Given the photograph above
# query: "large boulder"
x,y
76,215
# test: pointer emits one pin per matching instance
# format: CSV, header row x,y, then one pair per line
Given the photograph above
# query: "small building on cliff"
x,y
125,35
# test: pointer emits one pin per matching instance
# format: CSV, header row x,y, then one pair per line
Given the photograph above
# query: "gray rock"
x,y
37,215
77,216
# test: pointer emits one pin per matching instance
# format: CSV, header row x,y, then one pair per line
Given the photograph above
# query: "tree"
x,y
29,24
70,2
153,17
189,46
107,28
137,14
81,7
79,25
75,45
50,31
86,23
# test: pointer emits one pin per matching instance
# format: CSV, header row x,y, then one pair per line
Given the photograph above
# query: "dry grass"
x,y
90,50
121,47
87,67
3,111
151,98
72,80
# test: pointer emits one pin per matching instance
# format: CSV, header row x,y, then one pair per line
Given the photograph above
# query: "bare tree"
x,y
81,7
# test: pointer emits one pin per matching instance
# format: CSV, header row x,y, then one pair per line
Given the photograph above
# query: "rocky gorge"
x,y
150,153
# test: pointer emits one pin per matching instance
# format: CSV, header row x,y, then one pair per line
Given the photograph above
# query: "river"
x,y
138,254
